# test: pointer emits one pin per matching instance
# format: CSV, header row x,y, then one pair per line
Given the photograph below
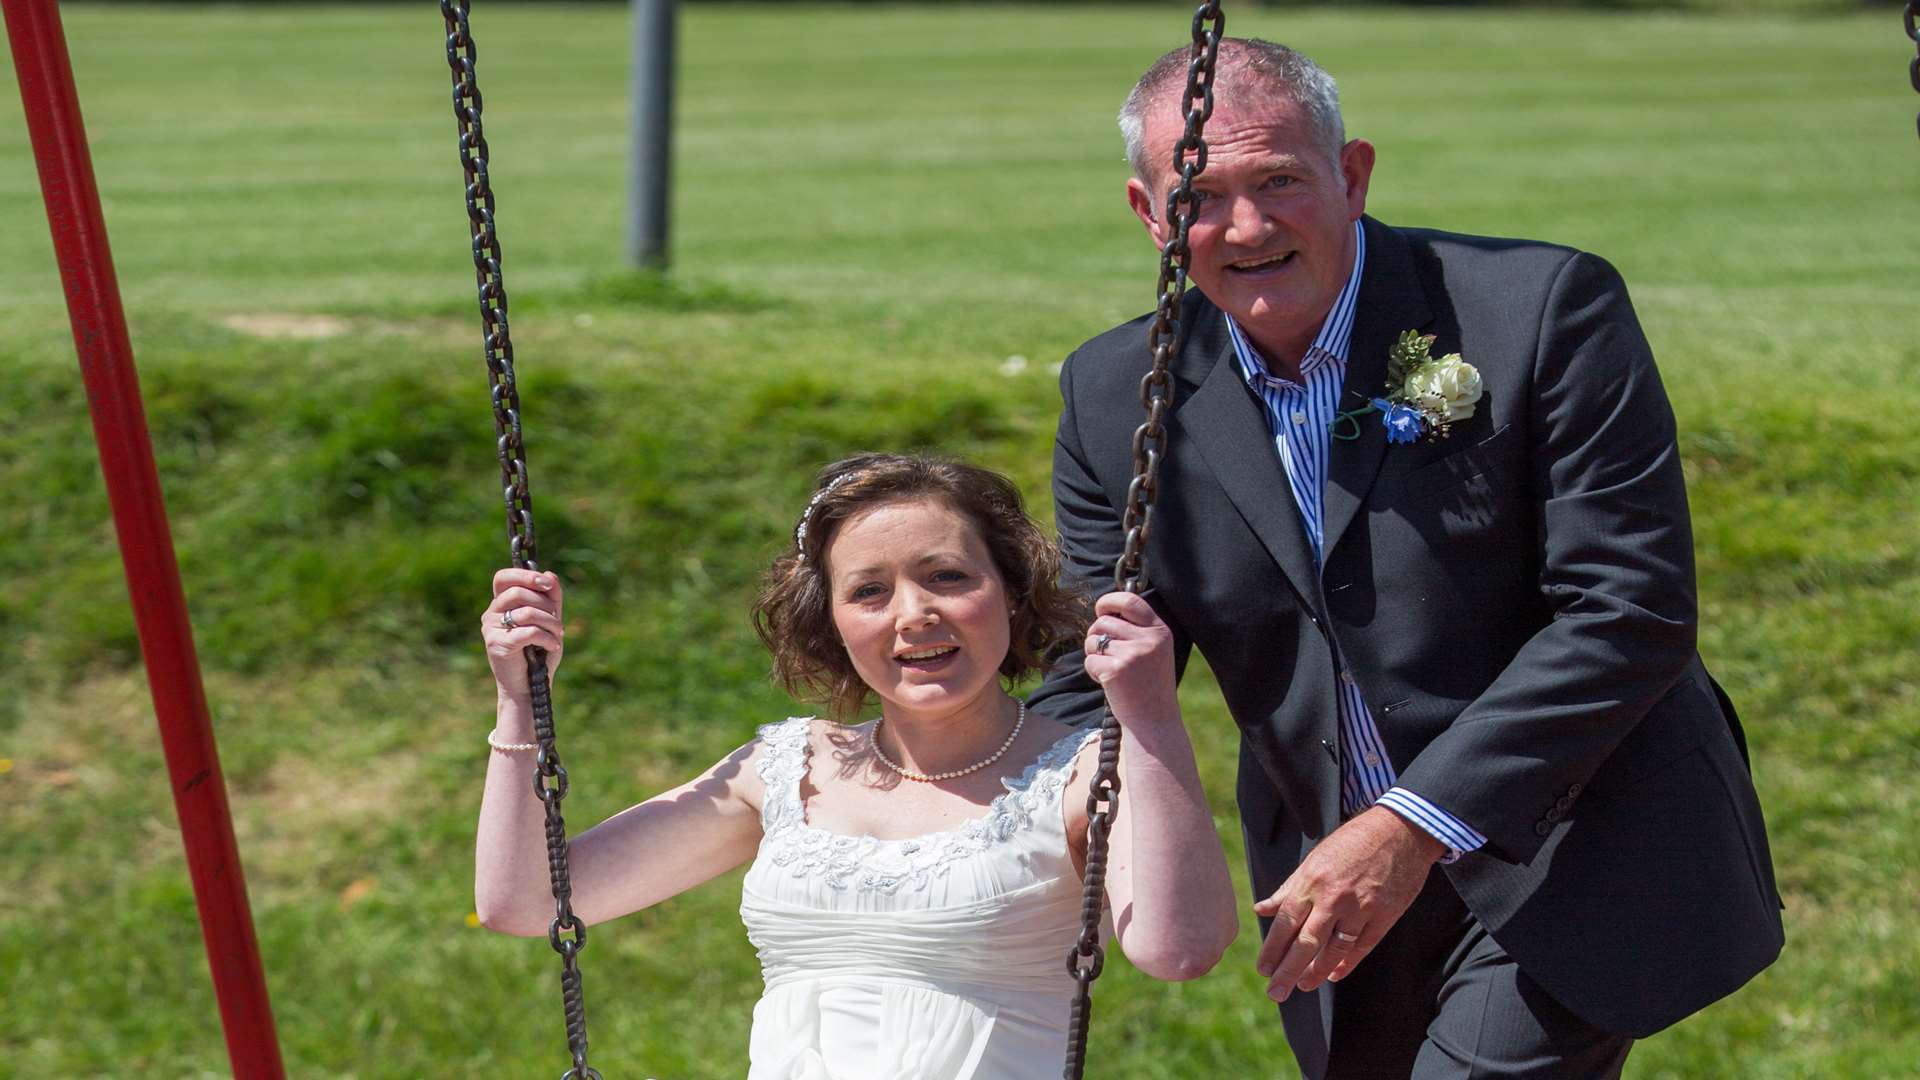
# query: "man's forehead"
x,y
1265,139
1277,160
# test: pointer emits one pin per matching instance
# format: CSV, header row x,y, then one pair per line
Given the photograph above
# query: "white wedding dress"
x,y
941,957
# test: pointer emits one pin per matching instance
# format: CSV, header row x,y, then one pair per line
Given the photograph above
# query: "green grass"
x,y
875,209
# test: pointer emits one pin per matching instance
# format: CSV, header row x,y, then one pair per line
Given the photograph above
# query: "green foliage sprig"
x,y
1412,350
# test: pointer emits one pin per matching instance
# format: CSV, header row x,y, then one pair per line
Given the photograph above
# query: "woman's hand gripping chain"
x,y
525,613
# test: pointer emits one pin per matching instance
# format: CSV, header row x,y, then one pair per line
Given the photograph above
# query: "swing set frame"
x,y
60,153
44,70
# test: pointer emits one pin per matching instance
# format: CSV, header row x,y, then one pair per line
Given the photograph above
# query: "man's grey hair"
x,y
1246,68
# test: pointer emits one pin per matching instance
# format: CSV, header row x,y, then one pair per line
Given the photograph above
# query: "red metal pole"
x,y
140,517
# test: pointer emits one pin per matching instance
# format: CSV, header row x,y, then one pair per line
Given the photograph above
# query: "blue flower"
x,y
1404,423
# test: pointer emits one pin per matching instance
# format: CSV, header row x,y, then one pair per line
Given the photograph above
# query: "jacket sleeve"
x,y
1090,545
1616,558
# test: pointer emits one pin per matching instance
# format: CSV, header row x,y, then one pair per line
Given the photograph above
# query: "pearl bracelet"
x,y
509,747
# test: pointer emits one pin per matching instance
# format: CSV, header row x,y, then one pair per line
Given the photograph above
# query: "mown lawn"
x,y
891,222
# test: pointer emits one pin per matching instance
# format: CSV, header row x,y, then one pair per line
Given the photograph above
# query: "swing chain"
x,y
493,291
1164,338
550,777
1912,19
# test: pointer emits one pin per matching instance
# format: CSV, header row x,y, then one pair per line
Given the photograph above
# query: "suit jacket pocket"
x,y
1428,479
1671,730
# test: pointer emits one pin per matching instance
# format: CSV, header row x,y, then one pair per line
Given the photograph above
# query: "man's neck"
x,y
1281,355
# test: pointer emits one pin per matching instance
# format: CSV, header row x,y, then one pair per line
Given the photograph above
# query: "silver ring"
x,y
506,620
1100,643
1343,936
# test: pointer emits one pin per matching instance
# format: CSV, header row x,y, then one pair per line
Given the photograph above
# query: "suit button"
x,y
1556,814
1564,804
1542,828
1573,790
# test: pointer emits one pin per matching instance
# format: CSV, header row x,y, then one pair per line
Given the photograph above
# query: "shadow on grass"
x,y
647,291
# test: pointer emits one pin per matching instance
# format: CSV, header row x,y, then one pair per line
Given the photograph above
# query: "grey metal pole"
x,y
650,154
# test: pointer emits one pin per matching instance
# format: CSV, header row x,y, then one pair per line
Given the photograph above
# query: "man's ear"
x,y
1356,169
1141,200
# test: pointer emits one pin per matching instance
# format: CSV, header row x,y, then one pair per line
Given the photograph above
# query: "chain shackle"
x,y
549,777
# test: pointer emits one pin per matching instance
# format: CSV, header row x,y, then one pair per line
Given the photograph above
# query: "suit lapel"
x,y
1226,425
1391,301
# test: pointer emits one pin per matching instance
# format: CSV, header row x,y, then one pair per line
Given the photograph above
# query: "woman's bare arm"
x,y
638,857
1167,882
634,859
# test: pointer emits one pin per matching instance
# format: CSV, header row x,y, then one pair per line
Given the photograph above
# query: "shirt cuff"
x,y
1457,835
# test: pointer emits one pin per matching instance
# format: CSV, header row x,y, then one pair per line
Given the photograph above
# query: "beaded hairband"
x,y
800,531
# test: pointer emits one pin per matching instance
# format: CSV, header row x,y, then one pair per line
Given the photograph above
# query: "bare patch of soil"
x,y
286,326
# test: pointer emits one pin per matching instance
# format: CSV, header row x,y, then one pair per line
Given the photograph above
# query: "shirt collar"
x,y
1329,346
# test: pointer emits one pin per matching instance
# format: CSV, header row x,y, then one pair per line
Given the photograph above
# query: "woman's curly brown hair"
x,y
794,614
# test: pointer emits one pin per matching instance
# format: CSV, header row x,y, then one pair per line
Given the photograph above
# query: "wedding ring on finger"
x,y
506,620
1345,938
1100,643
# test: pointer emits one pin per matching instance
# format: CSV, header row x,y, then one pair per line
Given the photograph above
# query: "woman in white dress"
x,y
916,879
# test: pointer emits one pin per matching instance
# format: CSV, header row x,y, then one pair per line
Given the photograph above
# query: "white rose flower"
x,y
1448,387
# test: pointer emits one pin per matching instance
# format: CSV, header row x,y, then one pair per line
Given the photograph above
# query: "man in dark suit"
x,y
1498,816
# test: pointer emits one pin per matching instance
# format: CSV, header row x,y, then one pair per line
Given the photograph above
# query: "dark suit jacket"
x,y
1516,601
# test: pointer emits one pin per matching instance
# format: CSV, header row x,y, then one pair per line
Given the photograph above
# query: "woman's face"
x,y
920,606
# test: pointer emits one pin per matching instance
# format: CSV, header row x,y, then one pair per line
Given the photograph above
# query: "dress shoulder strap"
x,y
1037,790
781,769
1056,761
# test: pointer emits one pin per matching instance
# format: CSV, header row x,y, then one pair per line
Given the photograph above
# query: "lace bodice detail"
x,y
938,957
870,864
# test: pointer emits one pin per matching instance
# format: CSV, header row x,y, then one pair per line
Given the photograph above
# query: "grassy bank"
x,y
890,223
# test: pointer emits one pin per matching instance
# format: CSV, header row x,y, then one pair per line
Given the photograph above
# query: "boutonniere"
x,y
1424,395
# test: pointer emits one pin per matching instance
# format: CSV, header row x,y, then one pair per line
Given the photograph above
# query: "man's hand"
x,y
1345,896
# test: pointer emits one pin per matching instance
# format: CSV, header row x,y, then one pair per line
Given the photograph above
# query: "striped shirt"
x,y
1301,417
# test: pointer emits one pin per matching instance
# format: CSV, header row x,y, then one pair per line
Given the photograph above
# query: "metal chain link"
x,y
1912,18
1164,338
567,934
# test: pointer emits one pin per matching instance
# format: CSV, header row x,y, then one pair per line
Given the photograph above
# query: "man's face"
x,y
1273,243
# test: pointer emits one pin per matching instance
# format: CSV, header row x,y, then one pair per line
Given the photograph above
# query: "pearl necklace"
x,y
873,739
